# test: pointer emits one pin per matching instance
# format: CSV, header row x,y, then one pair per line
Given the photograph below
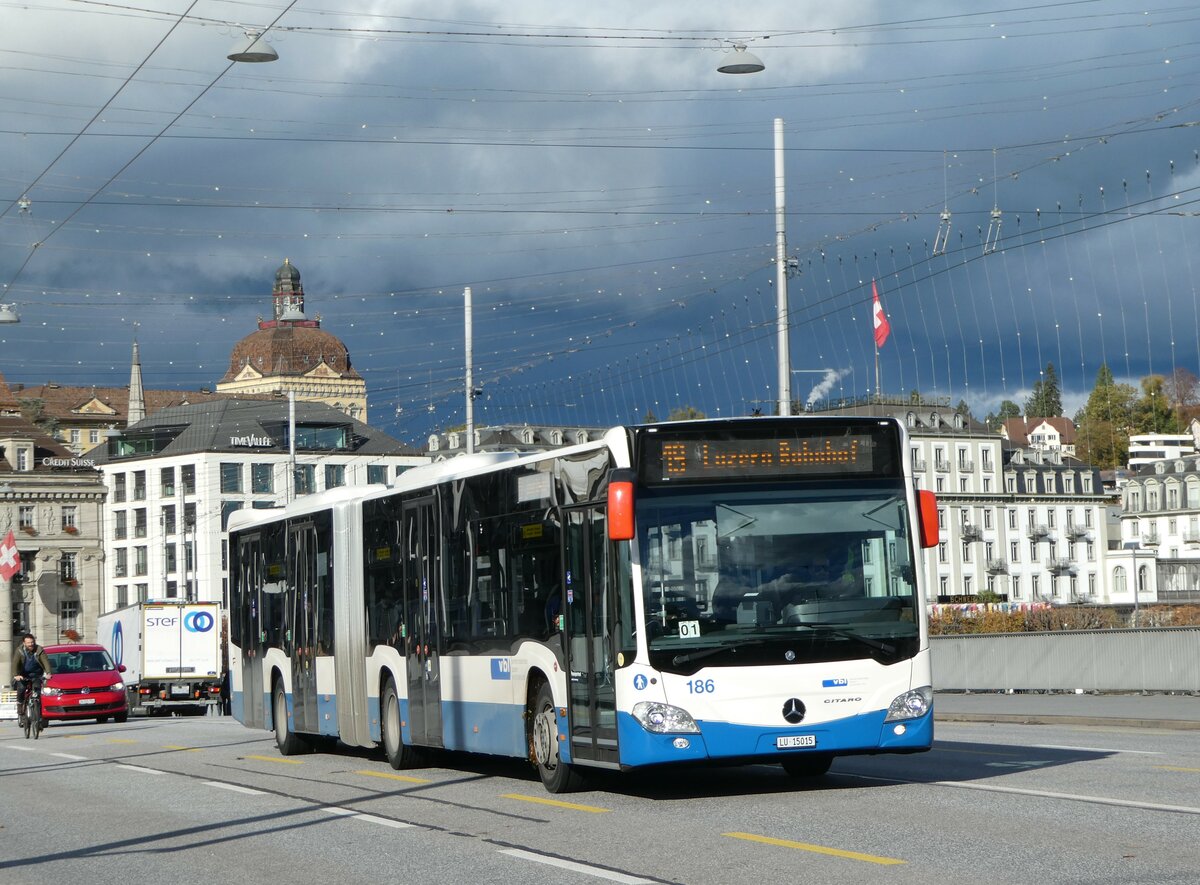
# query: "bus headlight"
x,y
664,719
910,705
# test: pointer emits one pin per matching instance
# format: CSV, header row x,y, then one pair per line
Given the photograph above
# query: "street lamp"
x,y
8,315
742,62
252,48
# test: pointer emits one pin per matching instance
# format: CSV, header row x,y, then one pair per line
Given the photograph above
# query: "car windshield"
x,y
80,661
776,574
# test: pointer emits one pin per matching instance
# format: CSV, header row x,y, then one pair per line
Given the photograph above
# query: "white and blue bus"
x,y
739,590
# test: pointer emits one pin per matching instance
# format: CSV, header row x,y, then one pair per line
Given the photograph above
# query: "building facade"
x,y
174,478
1160,527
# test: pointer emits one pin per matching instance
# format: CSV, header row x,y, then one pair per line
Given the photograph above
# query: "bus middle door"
x,y
590,624
422,643
303,542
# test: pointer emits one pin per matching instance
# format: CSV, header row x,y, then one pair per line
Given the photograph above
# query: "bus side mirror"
x,y
620,505
927,503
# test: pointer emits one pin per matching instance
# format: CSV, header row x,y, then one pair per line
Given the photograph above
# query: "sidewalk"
x,y
1128,710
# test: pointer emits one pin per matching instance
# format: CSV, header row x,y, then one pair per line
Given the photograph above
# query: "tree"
x,y
1153,412
963,409
1046,399
1009,409
1104,422
33,410
1182,389
685,413
649,417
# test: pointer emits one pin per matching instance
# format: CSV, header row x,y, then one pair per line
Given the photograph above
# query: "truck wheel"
x,y
557,776
289,743
399,755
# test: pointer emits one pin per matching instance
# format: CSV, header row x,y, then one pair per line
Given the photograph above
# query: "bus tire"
x,y
398,754
557,776
807,764
289,743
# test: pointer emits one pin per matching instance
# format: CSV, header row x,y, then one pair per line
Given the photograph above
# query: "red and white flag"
x,y
882,327
10,559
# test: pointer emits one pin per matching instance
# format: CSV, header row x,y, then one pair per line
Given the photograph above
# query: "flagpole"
x,y
878,398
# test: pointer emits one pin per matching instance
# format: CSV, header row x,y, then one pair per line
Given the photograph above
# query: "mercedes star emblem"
x,y
793,710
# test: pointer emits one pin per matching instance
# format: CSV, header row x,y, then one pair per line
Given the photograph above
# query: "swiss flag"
x,y
10,559
882,327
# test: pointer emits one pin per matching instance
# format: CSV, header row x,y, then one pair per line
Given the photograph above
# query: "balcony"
x,y
1059,566
942,466
1078,533
965,466
1150,540
997,567
1037,532
919,466
971,532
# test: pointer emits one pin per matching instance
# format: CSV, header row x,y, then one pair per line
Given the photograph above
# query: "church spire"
x,y
288,295
137,395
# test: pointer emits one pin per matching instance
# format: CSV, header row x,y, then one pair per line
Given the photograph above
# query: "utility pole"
x,y
781,277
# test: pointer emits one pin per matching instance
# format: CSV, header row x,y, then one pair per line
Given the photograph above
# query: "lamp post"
x,y
781,299
469,355
253,48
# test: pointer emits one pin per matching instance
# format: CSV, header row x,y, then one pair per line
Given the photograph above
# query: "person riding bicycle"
x,y
29,665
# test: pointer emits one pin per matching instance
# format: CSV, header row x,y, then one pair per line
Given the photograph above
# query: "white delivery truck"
x,y
171,651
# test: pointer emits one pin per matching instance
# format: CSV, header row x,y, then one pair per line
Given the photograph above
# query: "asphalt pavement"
x,y
1172,711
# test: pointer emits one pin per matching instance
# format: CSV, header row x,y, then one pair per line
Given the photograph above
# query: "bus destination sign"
x,y
747,457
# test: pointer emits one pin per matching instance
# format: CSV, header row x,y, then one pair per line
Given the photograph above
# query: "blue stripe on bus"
x,y
494,728
718,740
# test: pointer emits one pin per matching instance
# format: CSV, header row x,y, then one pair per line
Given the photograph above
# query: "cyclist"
x,y
29,665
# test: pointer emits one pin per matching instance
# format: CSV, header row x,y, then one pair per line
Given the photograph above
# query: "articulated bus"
x,y
745,590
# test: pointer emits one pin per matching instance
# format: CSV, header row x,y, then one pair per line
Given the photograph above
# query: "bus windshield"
x,y
777,574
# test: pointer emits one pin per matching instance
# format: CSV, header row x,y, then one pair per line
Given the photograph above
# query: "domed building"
x,y
290,352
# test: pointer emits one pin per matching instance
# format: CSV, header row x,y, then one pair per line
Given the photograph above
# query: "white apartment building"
x,y
1160,525
1146,448
174,478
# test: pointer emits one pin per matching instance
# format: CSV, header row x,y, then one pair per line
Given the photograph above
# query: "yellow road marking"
x,y
121,741
1176,768
817,849
184,749
71,737
279,759
592,809
394,777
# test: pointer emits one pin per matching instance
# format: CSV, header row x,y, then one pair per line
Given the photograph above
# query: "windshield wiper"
x,y
715,650
825,627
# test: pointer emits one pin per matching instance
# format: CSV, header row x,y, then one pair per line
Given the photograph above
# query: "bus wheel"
x,y
807,764
557,776
398,755
289,743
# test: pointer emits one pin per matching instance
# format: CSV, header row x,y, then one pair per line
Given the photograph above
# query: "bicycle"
x,y
31,709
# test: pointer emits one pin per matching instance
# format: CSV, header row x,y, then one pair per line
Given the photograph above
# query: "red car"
x,y
84,683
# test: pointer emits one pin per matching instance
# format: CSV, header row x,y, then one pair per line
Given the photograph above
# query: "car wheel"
x,y
121,717
100,720
289,743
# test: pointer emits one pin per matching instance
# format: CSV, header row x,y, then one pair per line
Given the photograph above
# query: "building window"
x,y
143,591
1092,584
942,518
166,479
122,595
1143,579
989,551
139,485
169,559
1119,579
139,522
231,478
75,436
1014,551
118,488
1033,551
944,585
1087,484
376,473
305,479
1036,580
967,588
168,519
172,589
1087,518
189,517
67,566
25,516
1091,552
1012,518
966,552
22,459
262,479
121,566
942,552
93,437
187,478
139,561
120,525
1050,518
228,507
189,558
987,483
70,519
68,615
1010,483
335,475
940,484
987,517
28,562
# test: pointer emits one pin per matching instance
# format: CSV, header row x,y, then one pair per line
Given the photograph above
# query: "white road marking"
x,y
343,812
233,788
1095,749
587,870
383,821
20,747
69,756
140,769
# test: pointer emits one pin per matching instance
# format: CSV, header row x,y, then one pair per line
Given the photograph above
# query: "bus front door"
x,y
590,624
422,642
304,628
